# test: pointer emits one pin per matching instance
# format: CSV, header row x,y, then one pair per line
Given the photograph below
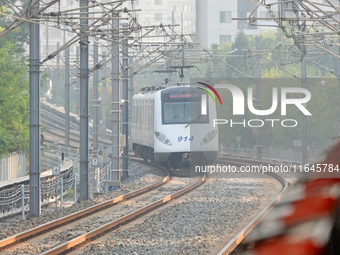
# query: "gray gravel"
x,y
193,226
93,222
139,176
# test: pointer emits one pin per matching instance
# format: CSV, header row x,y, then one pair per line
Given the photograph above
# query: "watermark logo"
x,y
204,97
239,103
238,100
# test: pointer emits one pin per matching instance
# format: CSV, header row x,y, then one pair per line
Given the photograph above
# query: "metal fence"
x,y
16,199
13,166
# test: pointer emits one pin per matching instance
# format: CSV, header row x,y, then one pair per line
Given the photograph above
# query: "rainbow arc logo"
x,y
209,93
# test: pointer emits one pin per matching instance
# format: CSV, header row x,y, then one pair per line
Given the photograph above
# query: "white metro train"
x,y
168,126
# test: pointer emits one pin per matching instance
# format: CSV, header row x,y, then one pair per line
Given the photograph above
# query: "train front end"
x,y
183,128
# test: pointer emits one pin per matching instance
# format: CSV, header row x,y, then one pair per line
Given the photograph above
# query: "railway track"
x,y
238,239
231,245
131,205
39,236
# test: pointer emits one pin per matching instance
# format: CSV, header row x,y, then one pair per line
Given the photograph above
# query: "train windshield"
x,y
182,107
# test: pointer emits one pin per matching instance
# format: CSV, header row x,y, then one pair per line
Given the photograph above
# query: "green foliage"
x,y
277,70
241,41
14,97
18,37
43,79
70,191
225,47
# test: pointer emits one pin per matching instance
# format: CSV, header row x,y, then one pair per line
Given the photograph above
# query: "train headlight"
x,y
209,137
163,138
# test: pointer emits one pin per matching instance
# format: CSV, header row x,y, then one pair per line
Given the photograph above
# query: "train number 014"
x,y
185,139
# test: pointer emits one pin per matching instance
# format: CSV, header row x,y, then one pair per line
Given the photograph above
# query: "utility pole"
x,y
67,98
131,93
95,101
34,146
47,28
214,71
84,107
173,20
304,118
57,84
182,32
115,104
125,105
258,97
103,103
77,82
168,61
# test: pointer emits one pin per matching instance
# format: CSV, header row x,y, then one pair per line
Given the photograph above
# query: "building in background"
x,y
211,20
155,12
214,23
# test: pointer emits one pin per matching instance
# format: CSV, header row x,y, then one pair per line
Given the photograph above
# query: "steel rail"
x,y
239,238
77,215
121,221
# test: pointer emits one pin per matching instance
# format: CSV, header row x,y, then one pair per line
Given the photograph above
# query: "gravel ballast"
x,y
139,176
193,226
92,222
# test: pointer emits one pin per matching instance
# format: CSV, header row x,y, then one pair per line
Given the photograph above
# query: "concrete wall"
x,y
12,166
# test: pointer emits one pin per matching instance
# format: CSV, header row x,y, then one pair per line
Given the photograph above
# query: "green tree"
x,y
14,97
14,113
241,41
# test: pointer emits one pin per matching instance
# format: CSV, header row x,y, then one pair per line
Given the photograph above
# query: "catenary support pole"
x,y
67,99
103,107
130,94
173,20
57,79
304,118
84,108
103,103
34,143
183,59
125,111
77,82
115,104
214,65
95,101
258,97
47,29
